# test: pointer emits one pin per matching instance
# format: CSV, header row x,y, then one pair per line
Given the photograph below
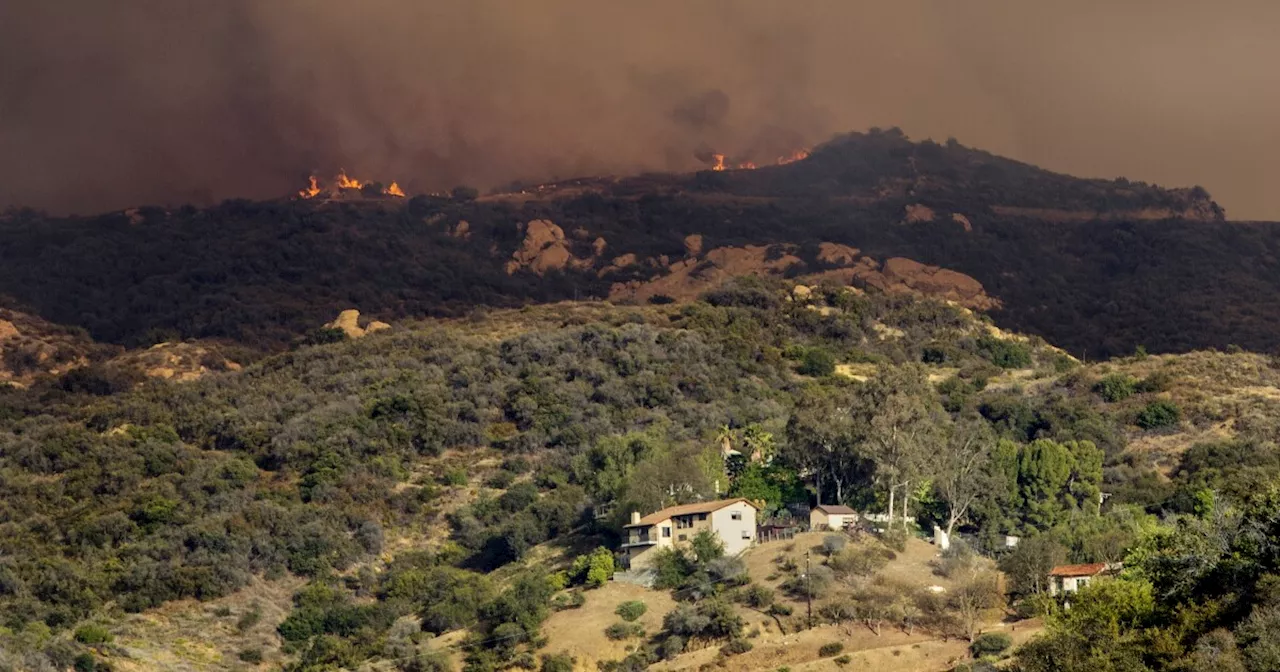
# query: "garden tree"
x,y
758,443
900,419
774,484
960,468
977,593
1028,565
822,441
1215,651
1057,477
1105,629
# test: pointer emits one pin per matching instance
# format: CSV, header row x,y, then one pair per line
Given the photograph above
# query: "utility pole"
x,y
808,590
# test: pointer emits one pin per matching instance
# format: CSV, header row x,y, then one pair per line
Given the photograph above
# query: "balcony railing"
x,y
641,539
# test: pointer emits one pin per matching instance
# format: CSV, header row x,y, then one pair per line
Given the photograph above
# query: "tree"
x,y
969,599
899,416
822,442
960,469
1030,562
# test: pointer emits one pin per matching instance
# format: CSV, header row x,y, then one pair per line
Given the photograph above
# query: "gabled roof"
x,y
1091,569
686,509
836,509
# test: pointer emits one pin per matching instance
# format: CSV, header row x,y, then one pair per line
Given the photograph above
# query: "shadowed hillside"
x,y
1097,267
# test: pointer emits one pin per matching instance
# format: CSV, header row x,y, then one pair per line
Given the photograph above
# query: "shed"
x,y
831,517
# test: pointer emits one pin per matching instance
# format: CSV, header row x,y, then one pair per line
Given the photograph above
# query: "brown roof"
x,y
686,509
836,508
1091,569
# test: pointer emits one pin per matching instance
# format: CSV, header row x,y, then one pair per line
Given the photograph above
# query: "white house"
x,y
831,517
1070,578
733,520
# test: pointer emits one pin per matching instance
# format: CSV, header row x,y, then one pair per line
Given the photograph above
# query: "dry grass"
x,y
191,636
580,632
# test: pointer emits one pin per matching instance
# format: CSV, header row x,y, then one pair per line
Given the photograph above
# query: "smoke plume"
x,y
110,104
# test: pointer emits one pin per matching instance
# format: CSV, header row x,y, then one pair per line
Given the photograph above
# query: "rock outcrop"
x,y
902,275
688,278
348,321
693,245
545,249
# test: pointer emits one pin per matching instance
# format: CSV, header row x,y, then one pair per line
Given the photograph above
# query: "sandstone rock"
x,y
620,262
544,249
461,230
7,330
598,247
801,292
693,245
688,278
919,213
834,253
962,221
349,322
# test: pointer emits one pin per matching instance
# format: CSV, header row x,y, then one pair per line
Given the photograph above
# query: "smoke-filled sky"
x,y
104,105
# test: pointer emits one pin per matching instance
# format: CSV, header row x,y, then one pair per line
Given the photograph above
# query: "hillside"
x,y
422,479
1097,267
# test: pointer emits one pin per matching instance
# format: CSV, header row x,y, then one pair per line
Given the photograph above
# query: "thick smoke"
x,y
110,104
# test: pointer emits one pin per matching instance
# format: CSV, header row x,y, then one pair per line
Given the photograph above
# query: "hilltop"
x,y
1098,267
337,504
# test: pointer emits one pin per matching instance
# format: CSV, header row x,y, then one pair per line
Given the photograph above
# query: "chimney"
x,y
635,517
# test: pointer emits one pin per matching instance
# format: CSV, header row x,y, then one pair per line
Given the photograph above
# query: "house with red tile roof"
x,y
1070,578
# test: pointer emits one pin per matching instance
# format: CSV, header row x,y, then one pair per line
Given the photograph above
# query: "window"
x,y
736,515
666,532
684,522
702,516
746,534
683,537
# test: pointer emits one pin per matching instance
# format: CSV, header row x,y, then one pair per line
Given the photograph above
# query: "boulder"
x,y
349,322
693,245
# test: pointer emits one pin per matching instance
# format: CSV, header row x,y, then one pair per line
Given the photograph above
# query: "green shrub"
x,y
834,543
780,609
736,646
895,538
620,631
757,596
557,662
570,600
631,610
92,634
593,569
1159,413
1115,387
253,656
830,649
817,362
1006,354
672,646
843,660
455,477
249,618
85,662
990,644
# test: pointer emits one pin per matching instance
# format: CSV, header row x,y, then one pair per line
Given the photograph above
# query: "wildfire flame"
x,y
312,190
343,181
720,164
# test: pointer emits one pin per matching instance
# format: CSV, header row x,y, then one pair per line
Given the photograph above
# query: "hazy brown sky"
x,y
110,104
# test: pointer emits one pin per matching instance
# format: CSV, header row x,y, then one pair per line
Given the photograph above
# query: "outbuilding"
x,y
831,517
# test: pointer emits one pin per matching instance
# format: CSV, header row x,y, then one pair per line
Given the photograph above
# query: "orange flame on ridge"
x,y
394,190
312,190
345,182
